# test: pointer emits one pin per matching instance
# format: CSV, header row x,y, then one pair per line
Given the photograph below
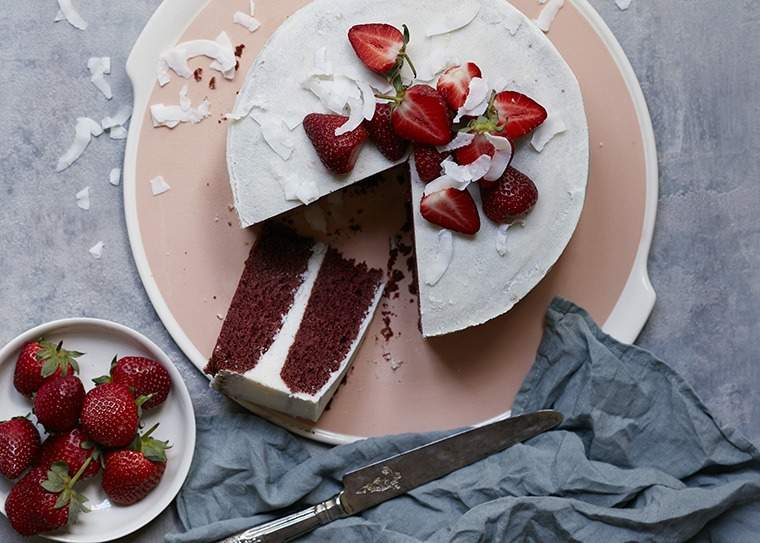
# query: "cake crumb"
x,y
198,74
212,83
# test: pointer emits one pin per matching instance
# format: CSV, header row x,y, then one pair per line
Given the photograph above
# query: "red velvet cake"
x,y
298,316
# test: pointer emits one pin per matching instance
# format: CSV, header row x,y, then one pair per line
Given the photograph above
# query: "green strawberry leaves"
x,y
56,358
151,448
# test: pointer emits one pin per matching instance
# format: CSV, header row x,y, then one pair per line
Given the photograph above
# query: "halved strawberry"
x,y
470,153
454,83
519,113
514,196
428,161
377,45
452,209
422,116
337,153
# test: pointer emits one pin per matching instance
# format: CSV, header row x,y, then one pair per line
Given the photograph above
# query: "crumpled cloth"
x,y
638,458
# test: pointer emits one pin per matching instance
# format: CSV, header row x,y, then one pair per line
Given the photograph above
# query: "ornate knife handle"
x,y
293,526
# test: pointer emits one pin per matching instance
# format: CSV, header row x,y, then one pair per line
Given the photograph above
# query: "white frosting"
x,y
263,385
98,67
158,185
175,58
83,132
548,14
114,177
69,12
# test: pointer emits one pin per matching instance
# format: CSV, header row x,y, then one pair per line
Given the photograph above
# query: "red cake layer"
x,y
342,295
273,272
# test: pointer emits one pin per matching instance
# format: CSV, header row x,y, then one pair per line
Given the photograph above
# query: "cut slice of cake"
x,y
299,314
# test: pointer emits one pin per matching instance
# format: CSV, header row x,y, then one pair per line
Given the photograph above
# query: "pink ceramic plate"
x,y
190,251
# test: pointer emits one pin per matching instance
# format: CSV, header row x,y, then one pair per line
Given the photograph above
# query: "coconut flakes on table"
x,y
172,115
548,14
247,21
623,4
453,20
83,132
118,133
114,177
552,126
158,186
176,58
98,67
83,199
442,259
119,119
68,11
97,250
476,103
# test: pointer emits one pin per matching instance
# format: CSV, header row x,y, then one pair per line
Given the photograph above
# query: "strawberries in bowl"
x,y
142,376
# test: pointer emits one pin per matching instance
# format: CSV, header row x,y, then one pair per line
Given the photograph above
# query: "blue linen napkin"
x,y
639,458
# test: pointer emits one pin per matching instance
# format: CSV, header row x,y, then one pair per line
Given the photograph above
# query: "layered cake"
x,y
299,314
472,90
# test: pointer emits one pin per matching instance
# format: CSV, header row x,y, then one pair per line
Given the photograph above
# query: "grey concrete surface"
x,y
699,66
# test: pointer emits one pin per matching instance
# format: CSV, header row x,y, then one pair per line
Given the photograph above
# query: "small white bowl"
x,y
100,340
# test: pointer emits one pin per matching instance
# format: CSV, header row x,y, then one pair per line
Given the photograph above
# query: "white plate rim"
x,y
165,27
179,392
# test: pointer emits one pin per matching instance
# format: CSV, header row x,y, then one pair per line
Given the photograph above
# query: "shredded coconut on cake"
x,y
553,126
443,255
451,21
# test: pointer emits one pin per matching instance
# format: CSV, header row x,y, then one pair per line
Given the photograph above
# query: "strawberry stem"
x,y
82,469
151,430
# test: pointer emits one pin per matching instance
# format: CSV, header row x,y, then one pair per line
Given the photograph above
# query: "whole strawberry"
x,y
337,153
58,403
130,475
43,501
110,415
143,377
514,196
40,360
428,162
19,446
385,139
73,449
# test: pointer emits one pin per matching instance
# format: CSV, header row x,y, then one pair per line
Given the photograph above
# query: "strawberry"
x,y
454,83
142,376
470,153
422,116
130,475
381,133
40,360
337,153
379,46
453,209
44,500
110,415
517,114
428,161
514,196
19,446
58,403
72,448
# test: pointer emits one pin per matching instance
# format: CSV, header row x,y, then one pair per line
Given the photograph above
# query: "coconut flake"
x,y
547,15
296,189
369,102
115,177
623,4
449,22
83,198
355,117
501,239
83,132
553,126
462,139
252,8
98,67
119,119
68,11
512,22
275,132
171,116
175,58
476,103
118,133
158,185
59,17
501,158
322,64
469,172
316,218
97,250
248,21
444,253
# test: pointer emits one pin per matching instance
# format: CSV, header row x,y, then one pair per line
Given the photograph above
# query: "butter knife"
x,y
374,484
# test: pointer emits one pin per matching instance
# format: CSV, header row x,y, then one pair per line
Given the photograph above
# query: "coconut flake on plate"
x,y
176,58
98,67
442,259
97,250
120,118
548,14
158,185
70,13
275,132
623,4
115,177
252,7
83,132
173,115
462,139
445,23
552,126
501,239
83,198
248,21
476,103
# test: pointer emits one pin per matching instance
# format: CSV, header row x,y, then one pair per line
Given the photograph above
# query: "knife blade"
x,y
387,479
